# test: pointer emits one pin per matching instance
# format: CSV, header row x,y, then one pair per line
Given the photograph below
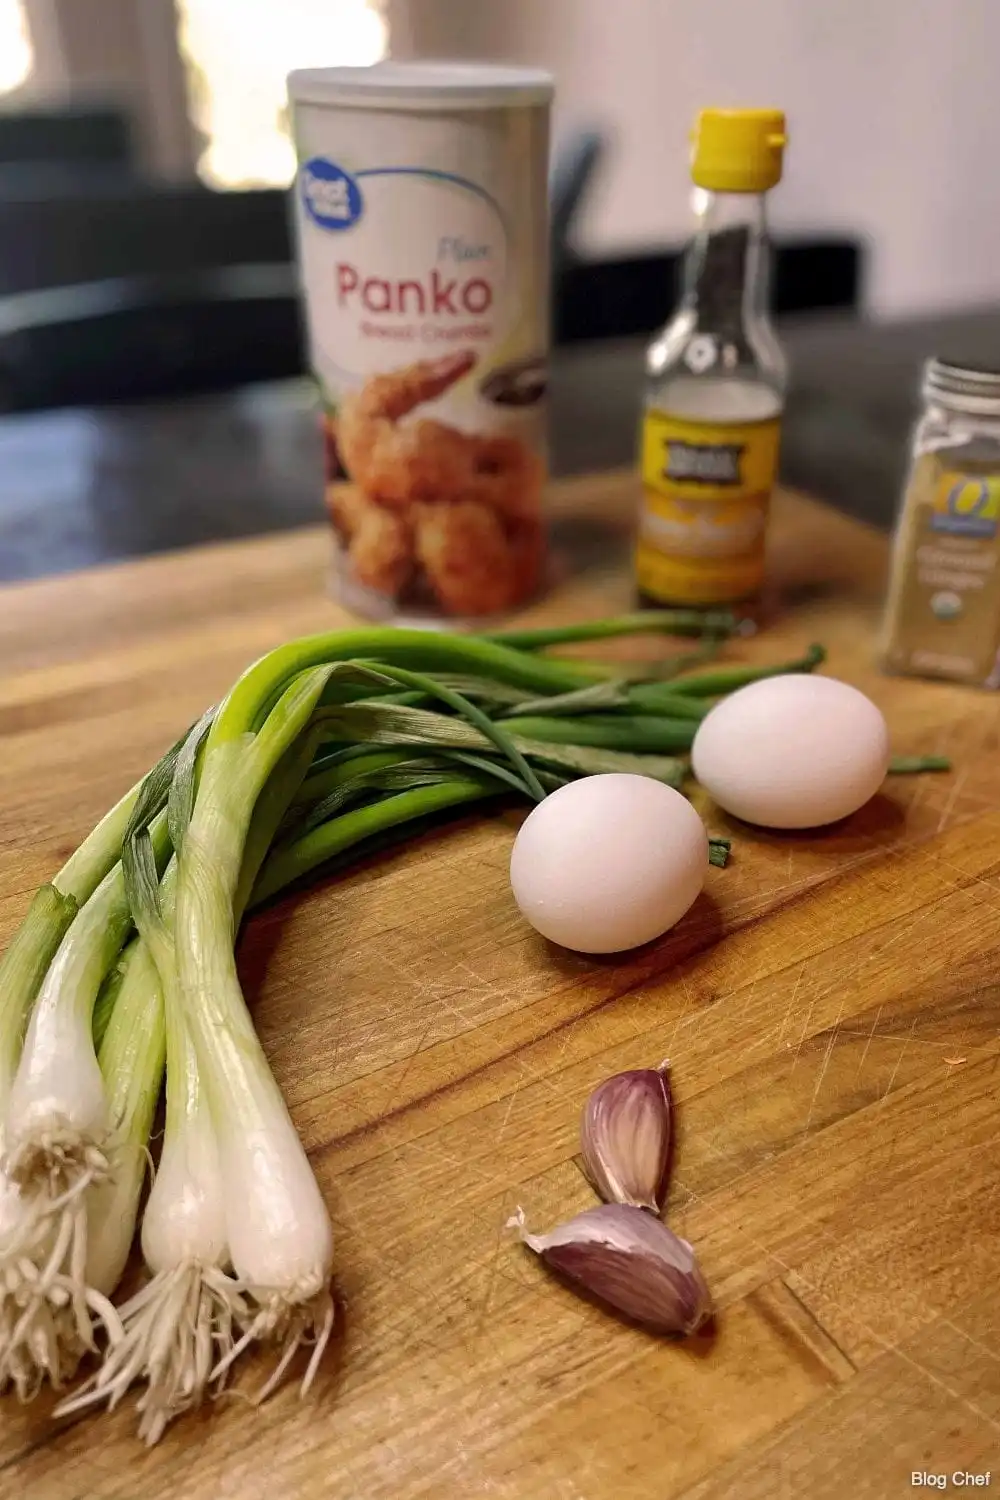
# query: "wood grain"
x,y
829,1008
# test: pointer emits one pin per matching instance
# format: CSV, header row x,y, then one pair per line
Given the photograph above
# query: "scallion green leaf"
x,y
647,622
913,765
728,679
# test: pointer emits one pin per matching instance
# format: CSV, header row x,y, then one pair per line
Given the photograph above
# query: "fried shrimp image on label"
x,y
393,463
507,476
378,541
399,464
473,563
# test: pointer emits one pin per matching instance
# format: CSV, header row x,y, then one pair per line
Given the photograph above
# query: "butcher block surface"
x,y
829,1008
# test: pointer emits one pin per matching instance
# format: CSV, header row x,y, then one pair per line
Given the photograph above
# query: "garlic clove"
x,y
629,1260
625,1137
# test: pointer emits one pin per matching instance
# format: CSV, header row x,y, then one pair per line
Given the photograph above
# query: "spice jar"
x,y
943,612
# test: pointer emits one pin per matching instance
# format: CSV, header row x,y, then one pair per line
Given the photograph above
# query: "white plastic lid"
x,y
422,85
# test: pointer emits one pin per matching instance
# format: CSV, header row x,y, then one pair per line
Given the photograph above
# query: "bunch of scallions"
x,y
123,970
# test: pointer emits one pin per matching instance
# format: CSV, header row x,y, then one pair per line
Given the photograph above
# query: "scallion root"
x,y
292,1318
49,1315
178,1331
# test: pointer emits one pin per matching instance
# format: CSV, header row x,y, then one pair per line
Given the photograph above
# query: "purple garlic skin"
x,y
631,1261
625,1138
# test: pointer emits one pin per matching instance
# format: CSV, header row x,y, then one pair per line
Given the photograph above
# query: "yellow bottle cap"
x,y
738,150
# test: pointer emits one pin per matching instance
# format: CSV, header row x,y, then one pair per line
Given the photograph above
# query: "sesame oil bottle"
x,y
715,381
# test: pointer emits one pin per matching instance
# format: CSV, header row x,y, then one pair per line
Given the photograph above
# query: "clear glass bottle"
x,y
942,617
716,379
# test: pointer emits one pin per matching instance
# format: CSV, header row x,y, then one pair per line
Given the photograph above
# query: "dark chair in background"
x,y
574,168
137,229
86,135
140,337
632,295
145,290
65,151
635,295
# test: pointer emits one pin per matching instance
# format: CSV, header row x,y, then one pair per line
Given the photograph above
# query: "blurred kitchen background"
x,y
146,256
892,137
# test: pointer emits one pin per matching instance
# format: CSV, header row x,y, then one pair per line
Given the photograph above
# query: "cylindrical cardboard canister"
x,y
421,204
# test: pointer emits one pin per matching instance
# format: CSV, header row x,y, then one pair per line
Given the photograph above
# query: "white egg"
x,y
792,752
608,862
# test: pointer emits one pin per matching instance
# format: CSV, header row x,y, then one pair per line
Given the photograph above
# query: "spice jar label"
x,y
943,617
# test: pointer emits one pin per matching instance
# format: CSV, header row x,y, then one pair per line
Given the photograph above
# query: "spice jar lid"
x,y
963,384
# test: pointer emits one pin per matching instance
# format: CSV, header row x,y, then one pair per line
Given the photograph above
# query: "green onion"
x,y
174,1329
718,851
319,845
910,765
668,699
132,1058
57,1131
648,622
728,679
498,734
565,742
403,777
673,666
327,775
607,693
56,1115
98,854
590,760
107,995
403,831
276,1224
608,732
660,669
185,1322
66,940
22,969
332,772
261,685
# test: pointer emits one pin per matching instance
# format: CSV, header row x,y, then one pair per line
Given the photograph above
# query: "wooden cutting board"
x,y
829,1008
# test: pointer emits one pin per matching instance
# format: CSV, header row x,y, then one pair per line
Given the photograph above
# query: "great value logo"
x,y
331,196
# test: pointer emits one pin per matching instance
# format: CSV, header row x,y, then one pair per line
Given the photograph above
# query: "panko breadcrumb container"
x,y
422,219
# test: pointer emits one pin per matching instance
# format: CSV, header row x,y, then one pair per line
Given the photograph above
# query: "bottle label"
x,y
706,491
